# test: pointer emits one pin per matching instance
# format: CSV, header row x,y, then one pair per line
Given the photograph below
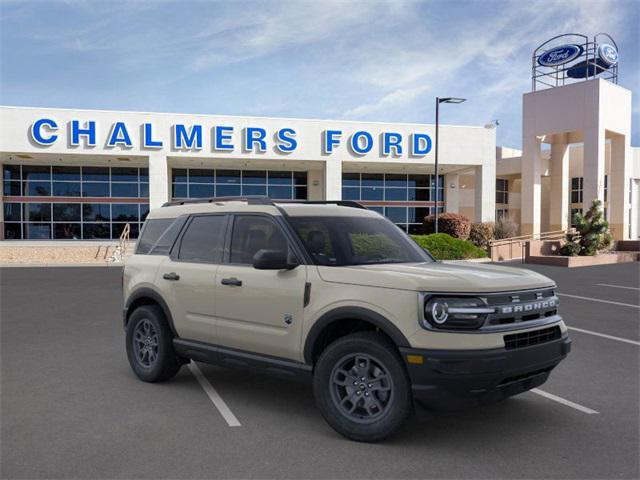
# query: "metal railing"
x,y
123,243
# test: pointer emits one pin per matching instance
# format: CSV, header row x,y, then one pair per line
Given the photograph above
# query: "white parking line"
x,y
213,395
610,337
599,300
616,286
564,401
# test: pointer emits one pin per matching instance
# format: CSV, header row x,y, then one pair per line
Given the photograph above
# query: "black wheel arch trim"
x,y
146,292
352,313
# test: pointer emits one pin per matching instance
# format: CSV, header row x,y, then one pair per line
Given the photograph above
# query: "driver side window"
x,y
252,233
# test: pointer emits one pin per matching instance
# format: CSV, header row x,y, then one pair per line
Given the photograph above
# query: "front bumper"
x,y
451,379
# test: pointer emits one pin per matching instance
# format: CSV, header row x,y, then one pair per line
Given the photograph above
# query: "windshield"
x,y
344,241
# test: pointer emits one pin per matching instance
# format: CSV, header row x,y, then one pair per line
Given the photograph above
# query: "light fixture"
x,y
451,100
440,100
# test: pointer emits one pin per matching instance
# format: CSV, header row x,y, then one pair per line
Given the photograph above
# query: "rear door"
x,y
188,276
259,310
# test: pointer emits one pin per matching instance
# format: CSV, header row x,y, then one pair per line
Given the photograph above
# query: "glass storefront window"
x,y
199,183
398,189
56,217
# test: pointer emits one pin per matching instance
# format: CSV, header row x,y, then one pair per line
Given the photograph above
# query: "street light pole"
x,y
436,162
438,102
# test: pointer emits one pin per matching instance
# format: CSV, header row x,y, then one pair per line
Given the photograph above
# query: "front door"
x,y
259,310
188,278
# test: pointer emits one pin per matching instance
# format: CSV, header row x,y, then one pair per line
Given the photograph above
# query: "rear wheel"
x,y
361,387
150,345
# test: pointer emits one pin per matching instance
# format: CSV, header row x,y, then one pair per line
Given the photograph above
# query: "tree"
x,y
591,235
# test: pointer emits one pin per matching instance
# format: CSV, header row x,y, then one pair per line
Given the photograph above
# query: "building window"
x,y
502,191
200,182
606,187
502,213
576,190
114,197
389,194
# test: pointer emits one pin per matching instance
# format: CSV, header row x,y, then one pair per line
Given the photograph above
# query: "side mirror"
x,y
272,260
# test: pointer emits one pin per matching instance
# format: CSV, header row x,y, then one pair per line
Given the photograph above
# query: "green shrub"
x,y
592,233
453,224
445,247
481,234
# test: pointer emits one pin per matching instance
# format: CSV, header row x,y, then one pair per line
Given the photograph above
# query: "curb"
x,y
60,265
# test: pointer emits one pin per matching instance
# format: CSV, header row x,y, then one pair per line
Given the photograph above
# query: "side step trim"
x,y
233,358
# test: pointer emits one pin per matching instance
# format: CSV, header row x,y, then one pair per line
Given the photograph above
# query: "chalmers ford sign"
x,y
221,138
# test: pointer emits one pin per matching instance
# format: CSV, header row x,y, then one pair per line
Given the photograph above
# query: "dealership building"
x,y
85,174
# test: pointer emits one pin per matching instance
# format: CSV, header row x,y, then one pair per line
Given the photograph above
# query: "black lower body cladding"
x,y
452,379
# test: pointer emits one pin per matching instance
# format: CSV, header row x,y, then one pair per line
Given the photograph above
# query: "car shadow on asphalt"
x,y
268,400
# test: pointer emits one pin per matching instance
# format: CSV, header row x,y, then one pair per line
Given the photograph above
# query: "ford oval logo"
x,y
608,54
560,55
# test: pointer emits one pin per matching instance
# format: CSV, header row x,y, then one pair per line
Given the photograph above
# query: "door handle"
x,y
171,276
234,282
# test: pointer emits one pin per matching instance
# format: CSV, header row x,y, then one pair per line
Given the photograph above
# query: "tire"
x,y
384,400
150,345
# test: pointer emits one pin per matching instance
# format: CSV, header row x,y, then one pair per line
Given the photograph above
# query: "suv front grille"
x,y
535,337
516,307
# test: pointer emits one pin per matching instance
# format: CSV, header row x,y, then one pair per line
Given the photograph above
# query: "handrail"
x,y
531,237
123,243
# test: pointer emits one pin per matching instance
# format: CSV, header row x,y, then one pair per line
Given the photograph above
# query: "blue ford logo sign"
x,y
608,54
560,55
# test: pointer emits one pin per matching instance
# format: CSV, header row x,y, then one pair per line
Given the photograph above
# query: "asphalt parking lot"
x,y
71,407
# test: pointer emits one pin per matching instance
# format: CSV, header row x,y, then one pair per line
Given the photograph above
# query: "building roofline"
x,y
18,107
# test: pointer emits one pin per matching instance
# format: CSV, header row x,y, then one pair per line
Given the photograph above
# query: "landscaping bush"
x,y
458,226
505,228
592,233
445,247
481,234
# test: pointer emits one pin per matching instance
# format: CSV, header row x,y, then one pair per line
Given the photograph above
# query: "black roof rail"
x,y
262,200
341,203
250,199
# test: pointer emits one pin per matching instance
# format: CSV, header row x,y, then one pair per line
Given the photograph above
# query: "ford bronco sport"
x,y
338,294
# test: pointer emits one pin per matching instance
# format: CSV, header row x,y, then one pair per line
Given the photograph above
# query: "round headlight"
x,y
439,312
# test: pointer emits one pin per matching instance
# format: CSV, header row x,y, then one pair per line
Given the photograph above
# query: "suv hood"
x,y
437,277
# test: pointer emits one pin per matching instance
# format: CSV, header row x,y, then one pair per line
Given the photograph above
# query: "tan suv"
x,y
338,294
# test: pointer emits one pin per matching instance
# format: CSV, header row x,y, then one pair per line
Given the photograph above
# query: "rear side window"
x,y
168,238
203,241
151,232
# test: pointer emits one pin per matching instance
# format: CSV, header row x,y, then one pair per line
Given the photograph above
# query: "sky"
x,y
344,60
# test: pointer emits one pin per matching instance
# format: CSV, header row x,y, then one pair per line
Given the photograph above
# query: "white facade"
x,y
593,113
328,151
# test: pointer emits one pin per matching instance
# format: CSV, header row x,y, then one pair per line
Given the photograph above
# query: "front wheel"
x,y
361,387
150,345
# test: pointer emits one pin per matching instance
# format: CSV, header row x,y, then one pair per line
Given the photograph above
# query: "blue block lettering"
x,y
286,140
37,134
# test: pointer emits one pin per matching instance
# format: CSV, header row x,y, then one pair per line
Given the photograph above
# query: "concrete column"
x,y
315,187
333,179
485,192
618,191
158,180
559,191
452,192
593,167
531,186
